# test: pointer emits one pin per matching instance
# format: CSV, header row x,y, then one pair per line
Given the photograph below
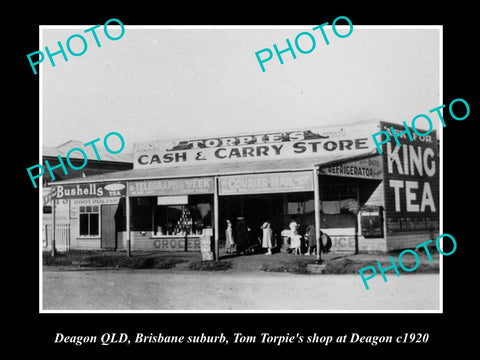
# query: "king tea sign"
x,y
88,190
350,141
411,182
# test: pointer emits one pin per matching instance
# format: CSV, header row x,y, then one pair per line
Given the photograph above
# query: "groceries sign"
x,y
260,146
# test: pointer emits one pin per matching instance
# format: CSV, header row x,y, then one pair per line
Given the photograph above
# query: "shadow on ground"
x,y
336,262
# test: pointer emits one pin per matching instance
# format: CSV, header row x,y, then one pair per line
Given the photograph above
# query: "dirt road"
x,y
159,290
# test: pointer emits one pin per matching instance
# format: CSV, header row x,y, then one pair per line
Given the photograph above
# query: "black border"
x,y
31,330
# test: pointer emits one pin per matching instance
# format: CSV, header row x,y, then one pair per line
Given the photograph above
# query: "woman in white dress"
x,y
229,242
267,238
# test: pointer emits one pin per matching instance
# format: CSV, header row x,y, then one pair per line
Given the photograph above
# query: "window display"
x,y
181,220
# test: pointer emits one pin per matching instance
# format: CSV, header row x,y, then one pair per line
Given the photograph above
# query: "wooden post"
x,y
127,211
215,218
186,237
356,233
356,220
316,193
53,250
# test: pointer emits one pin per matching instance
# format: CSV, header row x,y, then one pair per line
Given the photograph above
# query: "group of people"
x,y
296,239
239,238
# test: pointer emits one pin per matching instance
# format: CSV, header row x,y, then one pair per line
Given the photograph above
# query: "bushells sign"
x,y
411,175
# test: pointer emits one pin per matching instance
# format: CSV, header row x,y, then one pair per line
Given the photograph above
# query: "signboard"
x,y
76,203
89,190
176,244
266,183
47,198
172,200
316,142
61,207
369,168
411,174
188,186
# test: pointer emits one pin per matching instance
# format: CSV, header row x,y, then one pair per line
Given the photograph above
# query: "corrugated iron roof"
x,y
244,167
63,149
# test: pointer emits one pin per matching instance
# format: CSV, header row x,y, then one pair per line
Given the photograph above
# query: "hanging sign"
x,y
172,200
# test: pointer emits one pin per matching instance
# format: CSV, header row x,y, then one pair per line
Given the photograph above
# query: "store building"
x,y
333,178
66,209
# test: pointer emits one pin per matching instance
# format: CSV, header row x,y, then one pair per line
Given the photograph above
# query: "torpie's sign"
x,y
318,142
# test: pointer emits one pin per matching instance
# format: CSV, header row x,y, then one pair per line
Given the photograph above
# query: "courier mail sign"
x,y
411,175
257,146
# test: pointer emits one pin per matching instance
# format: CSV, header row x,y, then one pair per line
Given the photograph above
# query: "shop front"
x,y
93,214
275,197
170,214
183,192
352,208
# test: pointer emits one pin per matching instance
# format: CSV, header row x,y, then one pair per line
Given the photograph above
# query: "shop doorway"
x,y
255,208
109,229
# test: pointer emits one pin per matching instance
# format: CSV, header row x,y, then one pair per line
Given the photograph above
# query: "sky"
x,y
183,83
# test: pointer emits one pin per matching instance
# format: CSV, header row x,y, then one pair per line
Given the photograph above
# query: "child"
x,y
296,243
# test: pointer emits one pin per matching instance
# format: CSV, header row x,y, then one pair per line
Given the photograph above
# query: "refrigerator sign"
x,y
370,168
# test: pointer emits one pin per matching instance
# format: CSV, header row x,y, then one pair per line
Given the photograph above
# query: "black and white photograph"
x,y
232,186
191,174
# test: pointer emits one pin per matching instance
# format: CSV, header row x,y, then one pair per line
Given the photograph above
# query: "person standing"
x,y
241,235
267,237
229,242
312,243
293,226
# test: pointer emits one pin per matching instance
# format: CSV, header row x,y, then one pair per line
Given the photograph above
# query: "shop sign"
x,y
411,175
315,142
171,187
76,203
343,242
266,183
91,190
370,168
172,200
47,198
176,244
61,208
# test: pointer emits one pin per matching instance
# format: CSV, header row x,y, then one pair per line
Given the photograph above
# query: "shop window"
x,y
141,213
337,202
189,218
300,203
167,220
89,220
338,191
